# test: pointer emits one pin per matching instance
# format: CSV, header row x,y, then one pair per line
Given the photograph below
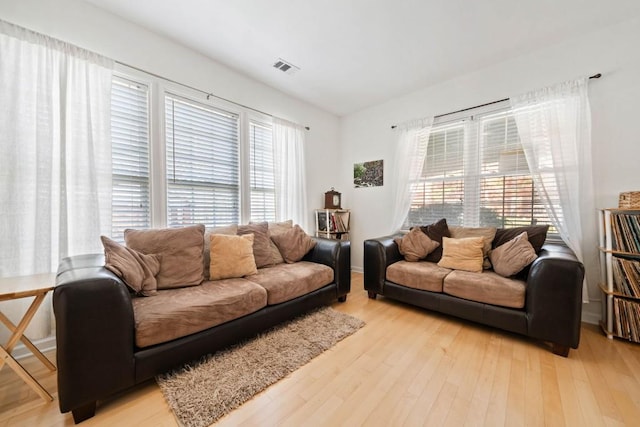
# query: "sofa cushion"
x,y
536,234
436,232
509,259
275,229
423,275
229,230
261,242
293,244
231,256
136,269
487,233
284,282
175,313
180,249
487,287
415,245
462,254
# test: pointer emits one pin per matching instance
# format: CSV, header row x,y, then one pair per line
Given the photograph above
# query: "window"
x,y
475,174
130,153
262,172
202,146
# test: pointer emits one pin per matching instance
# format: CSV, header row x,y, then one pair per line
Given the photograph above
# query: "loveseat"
x,y
544,301
110,338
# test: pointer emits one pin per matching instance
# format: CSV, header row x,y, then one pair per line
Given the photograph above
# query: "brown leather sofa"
x,y
95,328
552,305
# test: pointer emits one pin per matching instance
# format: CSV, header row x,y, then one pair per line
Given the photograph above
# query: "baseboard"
x,y
357,269
44,344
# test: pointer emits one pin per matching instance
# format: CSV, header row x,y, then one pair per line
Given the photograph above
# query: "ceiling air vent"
x,y
286,67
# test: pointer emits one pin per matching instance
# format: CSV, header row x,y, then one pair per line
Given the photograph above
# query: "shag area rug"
x,y
202,392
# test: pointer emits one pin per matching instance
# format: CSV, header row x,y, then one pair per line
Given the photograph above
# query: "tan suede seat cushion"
x,y
423,275
285,282
488,287
176,313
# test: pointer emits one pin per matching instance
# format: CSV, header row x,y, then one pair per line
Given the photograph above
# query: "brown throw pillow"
x,y
231,230
436,232
180,251
231,256
537,234
510,258
415,245
293,244
261,242
136,269
487,233
276,228
462,254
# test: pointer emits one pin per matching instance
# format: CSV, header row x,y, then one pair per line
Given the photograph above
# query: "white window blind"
x,y
130,152
475,174
202,164
262,172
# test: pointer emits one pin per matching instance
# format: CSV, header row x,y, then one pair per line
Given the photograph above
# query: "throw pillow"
x,y
293,244
276,228
231,256
415,245
537,234
180,250
261,242
462,254
487,233
136,270
436,232
510,258
206,253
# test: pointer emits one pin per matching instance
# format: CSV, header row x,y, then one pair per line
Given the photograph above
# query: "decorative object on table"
x,y
368,174
333,223
201,393
332,199
629,200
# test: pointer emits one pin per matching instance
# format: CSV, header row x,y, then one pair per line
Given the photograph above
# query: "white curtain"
x,y
554,124
411,150
291,184
55,154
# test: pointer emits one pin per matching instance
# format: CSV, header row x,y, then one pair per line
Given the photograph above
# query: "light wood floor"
x,y
405,367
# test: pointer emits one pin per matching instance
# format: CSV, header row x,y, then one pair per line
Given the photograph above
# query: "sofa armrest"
x,y
379,253
94,332
554,296
337,255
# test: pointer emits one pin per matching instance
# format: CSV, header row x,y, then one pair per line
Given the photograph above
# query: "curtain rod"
x,y
209,94
595,76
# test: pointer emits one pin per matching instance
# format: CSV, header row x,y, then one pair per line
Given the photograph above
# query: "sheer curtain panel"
x,y
291,183
411,151
554,125
55,155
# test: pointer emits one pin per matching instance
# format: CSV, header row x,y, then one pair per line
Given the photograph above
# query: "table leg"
x,y
22,373
27,342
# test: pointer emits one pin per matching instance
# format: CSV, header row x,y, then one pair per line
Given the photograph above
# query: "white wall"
x,y
94,29
614,98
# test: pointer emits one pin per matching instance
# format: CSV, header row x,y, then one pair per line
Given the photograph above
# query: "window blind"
x,y
130,154
202,164
262,172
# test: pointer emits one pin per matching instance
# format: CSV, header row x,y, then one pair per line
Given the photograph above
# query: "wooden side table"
x,y
22,287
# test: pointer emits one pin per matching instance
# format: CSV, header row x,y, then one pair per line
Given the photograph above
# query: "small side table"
x,y
23,287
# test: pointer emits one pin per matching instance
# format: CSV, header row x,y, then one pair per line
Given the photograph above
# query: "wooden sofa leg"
x,y
560,350
84,412
372,294
343,298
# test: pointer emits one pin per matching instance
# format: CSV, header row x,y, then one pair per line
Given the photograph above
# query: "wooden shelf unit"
x,y
333,223
619,247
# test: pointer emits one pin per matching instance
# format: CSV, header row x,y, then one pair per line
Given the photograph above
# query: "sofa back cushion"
x,y
180,251
462,254
293,244
276,228
261,242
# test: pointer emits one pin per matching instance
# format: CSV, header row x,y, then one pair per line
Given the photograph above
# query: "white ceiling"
x,y
356,53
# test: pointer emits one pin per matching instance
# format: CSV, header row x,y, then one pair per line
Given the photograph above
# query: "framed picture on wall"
x,y
368,174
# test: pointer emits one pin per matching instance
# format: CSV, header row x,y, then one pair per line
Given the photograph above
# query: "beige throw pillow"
x,y
462,254
180,251
261,242
487,233
415,245
136,269
231,256
293,244
206,253
510,258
